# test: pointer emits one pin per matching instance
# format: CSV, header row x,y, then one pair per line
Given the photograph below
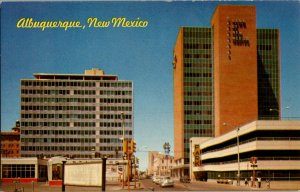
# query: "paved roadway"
x,y
194,186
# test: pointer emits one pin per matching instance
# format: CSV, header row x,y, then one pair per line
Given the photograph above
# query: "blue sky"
x,y
143,55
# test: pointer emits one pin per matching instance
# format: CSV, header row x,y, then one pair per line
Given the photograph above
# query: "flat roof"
x,y
74,76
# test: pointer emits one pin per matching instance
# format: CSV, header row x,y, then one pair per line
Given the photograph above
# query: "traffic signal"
x,y
125,146
133,146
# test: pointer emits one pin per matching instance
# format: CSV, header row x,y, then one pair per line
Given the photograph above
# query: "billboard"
x,y
84,174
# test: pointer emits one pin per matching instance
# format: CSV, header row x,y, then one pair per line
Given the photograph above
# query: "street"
x,y
194,186
147,185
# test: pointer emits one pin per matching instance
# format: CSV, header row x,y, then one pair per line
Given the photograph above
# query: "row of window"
x,y
197,102
264,47
110,140
58,108
10,145
115,108
58,154
45,124
56,148
266,35
114,124
73,83
59,116
197,84
265,57
197,93
198,65
110,116
113,132
110,100
109,148
199,34
58,132
58,140
57,83
115,92
197,112
76,92
197,56
58,100
45,92
76,124
197,122
196,46
197,132
84,92
18,171
84,124
115,84
197,74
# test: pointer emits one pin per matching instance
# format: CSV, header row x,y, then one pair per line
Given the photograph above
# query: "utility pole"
x,y
238,154
103,172
124,148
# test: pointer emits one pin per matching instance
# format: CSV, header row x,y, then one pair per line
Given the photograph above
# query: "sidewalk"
x,y
117,186
274,185
44,187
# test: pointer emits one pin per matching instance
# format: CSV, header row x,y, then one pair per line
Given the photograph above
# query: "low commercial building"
x,y
268,149
160,164
10,142
30,169
23,170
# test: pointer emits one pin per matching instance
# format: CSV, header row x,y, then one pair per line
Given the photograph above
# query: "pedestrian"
x,y
268,183
246,182
259,182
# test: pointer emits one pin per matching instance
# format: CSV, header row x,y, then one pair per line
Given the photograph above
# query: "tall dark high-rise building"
x,y
224,76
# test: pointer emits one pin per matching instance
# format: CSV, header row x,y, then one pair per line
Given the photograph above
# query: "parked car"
x,y
167,182
156,180
225,181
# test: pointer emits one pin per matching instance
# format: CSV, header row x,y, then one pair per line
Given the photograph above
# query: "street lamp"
x,y
287,107
238,151
123,127
123,141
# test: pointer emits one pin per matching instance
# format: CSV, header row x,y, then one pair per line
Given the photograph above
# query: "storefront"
x,y
23,170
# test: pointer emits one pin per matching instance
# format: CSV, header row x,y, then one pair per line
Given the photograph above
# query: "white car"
x,y
167,182
156,180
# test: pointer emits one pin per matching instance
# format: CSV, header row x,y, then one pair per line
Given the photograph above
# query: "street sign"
x,y
253,160
253,165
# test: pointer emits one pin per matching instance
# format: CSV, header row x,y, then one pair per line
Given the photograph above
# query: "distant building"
x,y
75,115
225,75
10,142
272,146
160,164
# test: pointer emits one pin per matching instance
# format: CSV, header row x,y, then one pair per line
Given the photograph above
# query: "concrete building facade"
x,y
275,145
225,76
75,115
